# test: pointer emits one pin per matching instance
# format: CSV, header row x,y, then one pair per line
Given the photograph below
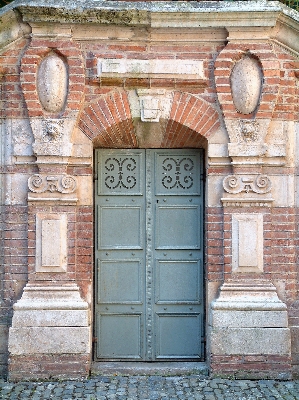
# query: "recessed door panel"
x,y
120,336
119,281
177,227
178,336
149,277
120,227
178,282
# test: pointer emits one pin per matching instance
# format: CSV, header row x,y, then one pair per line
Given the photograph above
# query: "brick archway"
x,y
108,122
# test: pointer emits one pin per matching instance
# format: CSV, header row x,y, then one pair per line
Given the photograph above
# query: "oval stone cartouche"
x,y
246,84
52,83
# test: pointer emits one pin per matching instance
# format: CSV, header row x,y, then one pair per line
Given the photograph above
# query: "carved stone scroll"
x,y
52,183
234,184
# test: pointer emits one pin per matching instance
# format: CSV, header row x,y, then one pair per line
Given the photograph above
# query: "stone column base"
x,y
50,335
249,333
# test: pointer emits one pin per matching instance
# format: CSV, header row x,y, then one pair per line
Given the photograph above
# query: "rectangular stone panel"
x,y
51,243
249,319
55,340
192,69
247,242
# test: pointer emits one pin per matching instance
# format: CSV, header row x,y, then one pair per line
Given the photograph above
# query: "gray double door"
x,y
149,255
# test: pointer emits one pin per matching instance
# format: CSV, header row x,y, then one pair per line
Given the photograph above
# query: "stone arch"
x,y
108,122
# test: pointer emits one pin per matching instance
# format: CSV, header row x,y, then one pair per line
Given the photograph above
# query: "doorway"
x,y
149,255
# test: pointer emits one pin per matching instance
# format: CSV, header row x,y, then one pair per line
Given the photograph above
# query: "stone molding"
x,y
229,202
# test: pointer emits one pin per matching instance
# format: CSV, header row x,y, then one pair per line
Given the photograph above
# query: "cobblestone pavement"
x,y
152,388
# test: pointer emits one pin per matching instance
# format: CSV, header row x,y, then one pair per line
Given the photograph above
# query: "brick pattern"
x,y
215,242
35,53
11,96
224,64
248,367
279,86
47,366
138,49
108,121
191,120
83,239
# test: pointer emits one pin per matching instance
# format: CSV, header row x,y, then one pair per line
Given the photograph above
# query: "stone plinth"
x,y
49,322
250,337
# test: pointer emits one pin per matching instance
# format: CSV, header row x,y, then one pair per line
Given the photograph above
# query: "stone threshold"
x,y
149,368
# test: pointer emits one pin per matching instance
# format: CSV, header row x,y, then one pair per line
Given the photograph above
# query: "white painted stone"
x,y
49,340
150,135
192,69
246,84
244,341
247,242
22,137
15,189
51,242
243,144
66,297
52,83
249,318
248,295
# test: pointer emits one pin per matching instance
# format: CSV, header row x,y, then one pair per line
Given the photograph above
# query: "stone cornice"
x,y
281,22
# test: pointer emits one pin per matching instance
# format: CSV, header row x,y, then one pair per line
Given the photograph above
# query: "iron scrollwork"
x,y
175,175
120,173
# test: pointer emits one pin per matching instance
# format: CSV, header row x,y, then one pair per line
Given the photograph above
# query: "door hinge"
x,y
94,339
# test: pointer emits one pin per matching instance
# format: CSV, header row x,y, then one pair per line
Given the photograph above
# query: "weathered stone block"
x,y
49,340
249,319
250,341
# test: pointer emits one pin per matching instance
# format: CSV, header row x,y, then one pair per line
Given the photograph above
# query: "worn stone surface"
x,y
246,84
250,341
53,340
52,83
152,387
